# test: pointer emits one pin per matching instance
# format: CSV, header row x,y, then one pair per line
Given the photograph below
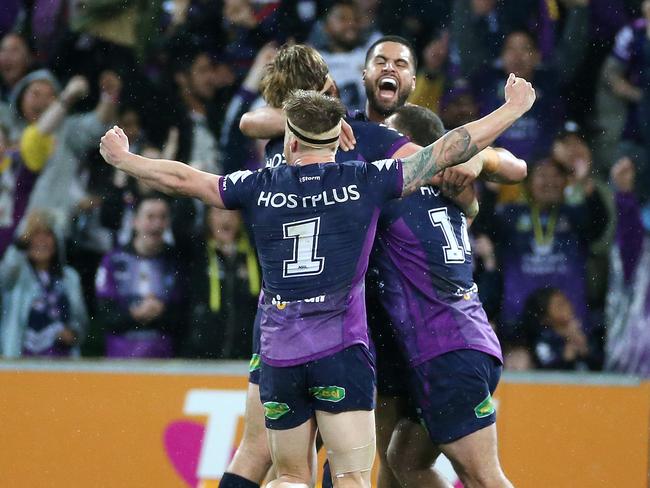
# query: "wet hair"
x,y
398,40
310,110
296,67
420,124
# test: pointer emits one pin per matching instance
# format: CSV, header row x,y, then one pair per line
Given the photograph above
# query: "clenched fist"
x,y
520,95
114,146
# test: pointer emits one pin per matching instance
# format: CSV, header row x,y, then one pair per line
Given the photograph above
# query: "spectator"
x,y
531,136
250,24
556,336
43,311
458,105
626,76
20,168
225,287
628,305
478,30
59,188
16,60
434,77
139,289
544,242
239,151
195,115
344,50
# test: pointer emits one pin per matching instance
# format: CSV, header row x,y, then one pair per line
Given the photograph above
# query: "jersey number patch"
x,y
454,252
305,261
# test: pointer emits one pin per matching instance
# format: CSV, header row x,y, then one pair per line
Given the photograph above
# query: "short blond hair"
x,y
308,109
295,67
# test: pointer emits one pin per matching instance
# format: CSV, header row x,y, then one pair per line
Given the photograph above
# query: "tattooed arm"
x,y
459,145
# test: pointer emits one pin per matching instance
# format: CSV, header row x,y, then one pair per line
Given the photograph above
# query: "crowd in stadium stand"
x,y
95,263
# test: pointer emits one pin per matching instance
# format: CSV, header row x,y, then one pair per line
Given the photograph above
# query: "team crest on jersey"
x,y
384,164
239,176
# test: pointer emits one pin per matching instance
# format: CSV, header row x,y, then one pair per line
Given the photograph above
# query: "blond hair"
x,y
295,67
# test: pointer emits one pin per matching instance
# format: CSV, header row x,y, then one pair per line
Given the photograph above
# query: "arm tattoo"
x,y
453,148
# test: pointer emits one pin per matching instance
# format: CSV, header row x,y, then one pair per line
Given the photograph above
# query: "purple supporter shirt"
x,y
424,260
313,226
16,185
528,265
126,278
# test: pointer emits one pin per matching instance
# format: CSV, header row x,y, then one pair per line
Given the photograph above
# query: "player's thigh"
x,y
453,393
475,455
342,387
293,451
349,439
411,448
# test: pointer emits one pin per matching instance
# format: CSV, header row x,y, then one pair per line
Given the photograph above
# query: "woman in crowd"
x,y
43,313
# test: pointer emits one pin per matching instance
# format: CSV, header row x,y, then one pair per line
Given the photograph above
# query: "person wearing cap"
x,y
313,221
20,169
58,188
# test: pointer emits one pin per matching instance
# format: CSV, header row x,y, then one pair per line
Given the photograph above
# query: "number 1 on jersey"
x,y
305,261
453,251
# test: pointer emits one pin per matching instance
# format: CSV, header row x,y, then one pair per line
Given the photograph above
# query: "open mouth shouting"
x,y
388,88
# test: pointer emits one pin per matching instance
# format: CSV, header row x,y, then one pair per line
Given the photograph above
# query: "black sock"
x,y
231,480
327,476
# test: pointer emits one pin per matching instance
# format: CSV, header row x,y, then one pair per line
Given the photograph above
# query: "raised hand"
x,y
114,145
76,89
519,94
622,175
111,84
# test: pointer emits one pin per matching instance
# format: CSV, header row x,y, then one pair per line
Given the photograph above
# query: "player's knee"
x,y
398,464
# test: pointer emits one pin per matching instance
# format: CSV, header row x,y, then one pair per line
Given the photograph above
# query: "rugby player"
x,y
314,307
389,79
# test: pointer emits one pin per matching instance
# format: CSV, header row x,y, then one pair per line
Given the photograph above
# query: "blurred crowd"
x,y
95,263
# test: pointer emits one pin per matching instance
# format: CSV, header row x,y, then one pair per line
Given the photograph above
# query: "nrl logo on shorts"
x,y
254,363
275,410
328,393
485,408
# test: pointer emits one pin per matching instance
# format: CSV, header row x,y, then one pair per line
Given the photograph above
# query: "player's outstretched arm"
x,y
170,177
263,123
459,145
501,166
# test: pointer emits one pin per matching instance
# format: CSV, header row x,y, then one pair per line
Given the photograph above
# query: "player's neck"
x,y
305,159
373,115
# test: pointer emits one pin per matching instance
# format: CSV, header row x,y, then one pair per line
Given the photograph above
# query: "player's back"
x,y
425,263
313,226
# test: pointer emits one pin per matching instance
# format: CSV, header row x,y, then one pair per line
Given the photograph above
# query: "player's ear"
x,y
363,75
293,145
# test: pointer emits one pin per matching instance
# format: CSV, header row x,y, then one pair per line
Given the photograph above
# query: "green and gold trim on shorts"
x,y
255,363
328,393
485,408
275,410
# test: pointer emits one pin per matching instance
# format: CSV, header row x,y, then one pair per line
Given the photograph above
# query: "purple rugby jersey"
x,y
425,269
314,227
